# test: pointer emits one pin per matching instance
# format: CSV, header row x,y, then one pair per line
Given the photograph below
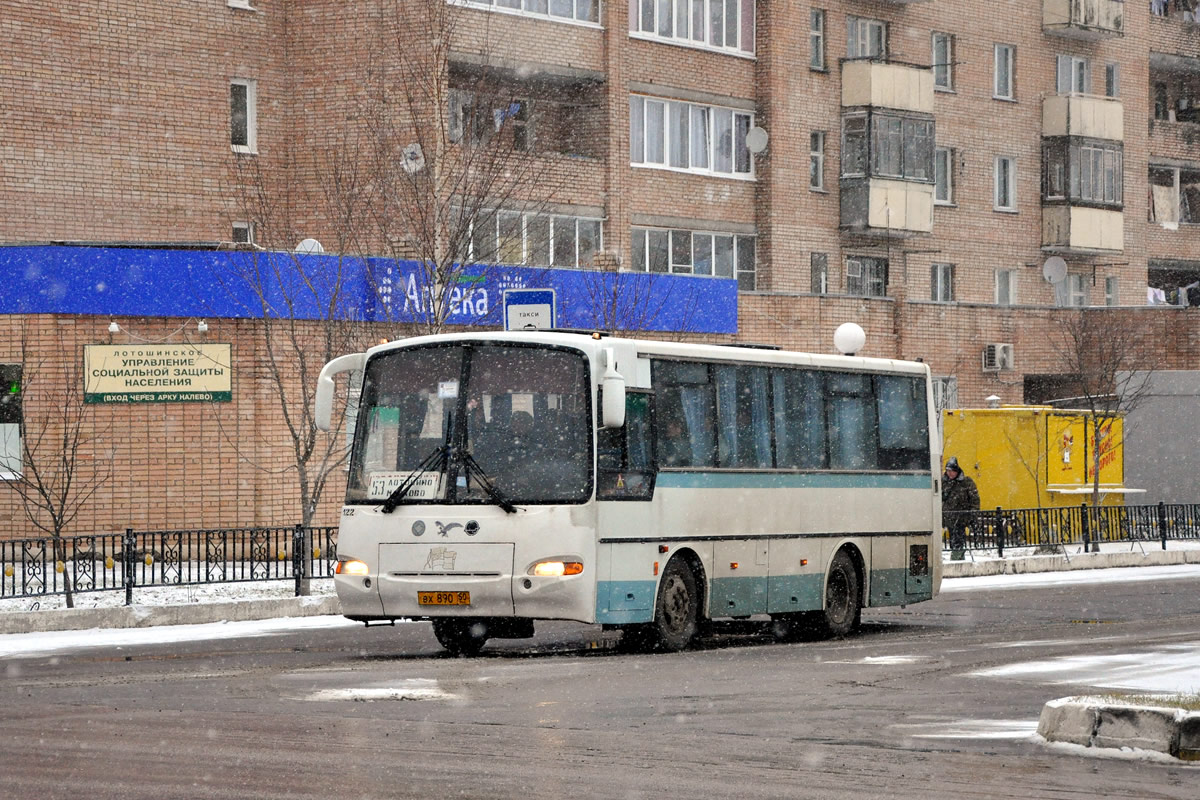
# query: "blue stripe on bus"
x,y
628,602
792,480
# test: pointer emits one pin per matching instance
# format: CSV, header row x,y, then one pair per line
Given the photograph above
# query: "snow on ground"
x,y
1108,575
1166,669
171,595
44,643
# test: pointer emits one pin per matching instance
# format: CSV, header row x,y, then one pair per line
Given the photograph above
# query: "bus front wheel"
x,y
677,609
843,606
461,637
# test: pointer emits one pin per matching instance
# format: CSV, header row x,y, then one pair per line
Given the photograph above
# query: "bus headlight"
x,y
554,569
351,567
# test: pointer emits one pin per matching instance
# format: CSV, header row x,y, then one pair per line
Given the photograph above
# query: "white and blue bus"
x,y
501,478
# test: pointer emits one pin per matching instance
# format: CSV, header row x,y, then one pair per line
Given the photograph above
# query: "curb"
x,y
1095,722
1029,564
136,616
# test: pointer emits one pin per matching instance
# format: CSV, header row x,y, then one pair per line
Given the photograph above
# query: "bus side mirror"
x,y
323,404
612,398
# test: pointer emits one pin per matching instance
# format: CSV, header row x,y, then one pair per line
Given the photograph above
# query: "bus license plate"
x,y
444,598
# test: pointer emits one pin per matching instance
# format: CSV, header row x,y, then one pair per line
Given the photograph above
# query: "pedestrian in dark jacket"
x,y
959,496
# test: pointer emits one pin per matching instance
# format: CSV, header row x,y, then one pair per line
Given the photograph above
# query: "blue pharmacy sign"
x,y
123,281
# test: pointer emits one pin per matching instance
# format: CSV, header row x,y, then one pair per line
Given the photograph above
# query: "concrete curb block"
x,y
1029,564
1096,722
148,616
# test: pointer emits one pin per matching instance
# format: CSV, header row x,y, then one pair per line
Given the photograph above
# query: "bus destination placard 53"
x,y
157,373
426,487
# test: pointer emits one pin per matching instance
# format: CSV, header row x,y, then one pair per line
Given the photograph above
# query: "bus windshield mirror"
x,y
439,456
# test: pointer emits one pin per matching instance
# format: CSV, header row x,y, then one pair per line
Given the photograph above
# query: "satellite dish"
x,y
309,247
1054,270
756,140
849,338
414,158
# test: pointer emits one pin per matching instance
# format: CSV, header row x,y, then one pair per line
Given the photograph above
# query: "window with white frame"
x,y
866,38
562,10
943,175
243,116
1004,193
537,239
1087,171
941,283
819,273
11,458
1074,75
1110,291
716,24
243,232
866,276
1112,80
816,39
943,61
1006,287
816,160
673,134
1003,78
1072,291
695,252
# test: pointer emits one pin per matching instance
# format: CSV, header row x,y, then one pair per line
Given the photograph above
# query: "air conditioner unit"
x,y
997,357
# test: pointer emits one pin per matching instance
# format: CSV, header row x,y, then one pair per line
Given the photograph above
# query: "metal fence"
x,y
105,562
1051,528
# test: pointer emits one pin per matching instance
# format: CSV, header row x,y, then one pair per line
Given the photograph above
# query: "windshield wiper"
x,y
473,469
439,456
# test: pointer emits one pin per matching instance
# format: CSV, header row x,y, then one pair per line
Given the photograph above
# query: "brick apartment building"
x,y
922,161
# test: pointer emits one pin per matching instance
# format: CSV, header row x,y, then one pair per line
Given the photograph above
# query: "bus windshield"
x,y
522,414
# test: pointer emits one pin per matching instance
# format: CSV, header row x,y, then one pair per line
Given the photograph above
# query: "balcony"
x,y
1083,115
1083,19
886,206
881,84
1079,229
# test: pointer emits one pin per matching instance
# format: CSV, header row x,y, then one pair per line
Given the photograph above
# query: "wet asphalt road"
x,y
892,712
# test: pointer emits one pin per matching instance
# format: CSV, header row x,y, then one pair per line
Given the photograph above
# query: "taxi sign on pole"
x,y
529,309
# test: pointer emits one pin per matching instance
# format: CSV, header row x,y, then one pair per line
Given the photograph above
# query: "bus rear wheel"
x,y
843,606
461,637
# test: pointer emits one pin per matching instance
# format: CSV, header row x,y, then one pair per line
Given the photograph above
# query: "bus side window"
x,y
625,456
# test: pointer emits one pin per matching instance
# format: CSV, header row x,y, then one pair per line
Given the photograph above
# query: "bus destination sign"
x,y
157,373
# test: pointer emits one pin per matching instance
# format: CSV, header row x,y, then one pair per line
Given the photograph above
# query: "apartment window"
x,y
1174,195
866,276
866,38
1004,195
10,421
243,117
941,283
693,252
943,61
816,160
1161,108
900,146
1083,171
816,39
943,176
522,125
1110,291
1073,291
513,237
819,273
689,136
574,10
718,24
1074,75
243,232
1006,287
1112,80
1005,56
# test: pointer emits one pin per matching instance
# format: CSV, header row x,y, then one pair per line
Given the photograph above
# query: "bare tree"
x,y
461,178
1108,363
62,461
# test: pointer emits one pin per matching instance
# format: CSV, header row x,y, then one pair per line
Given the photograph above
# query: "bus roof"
x,y
592,343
